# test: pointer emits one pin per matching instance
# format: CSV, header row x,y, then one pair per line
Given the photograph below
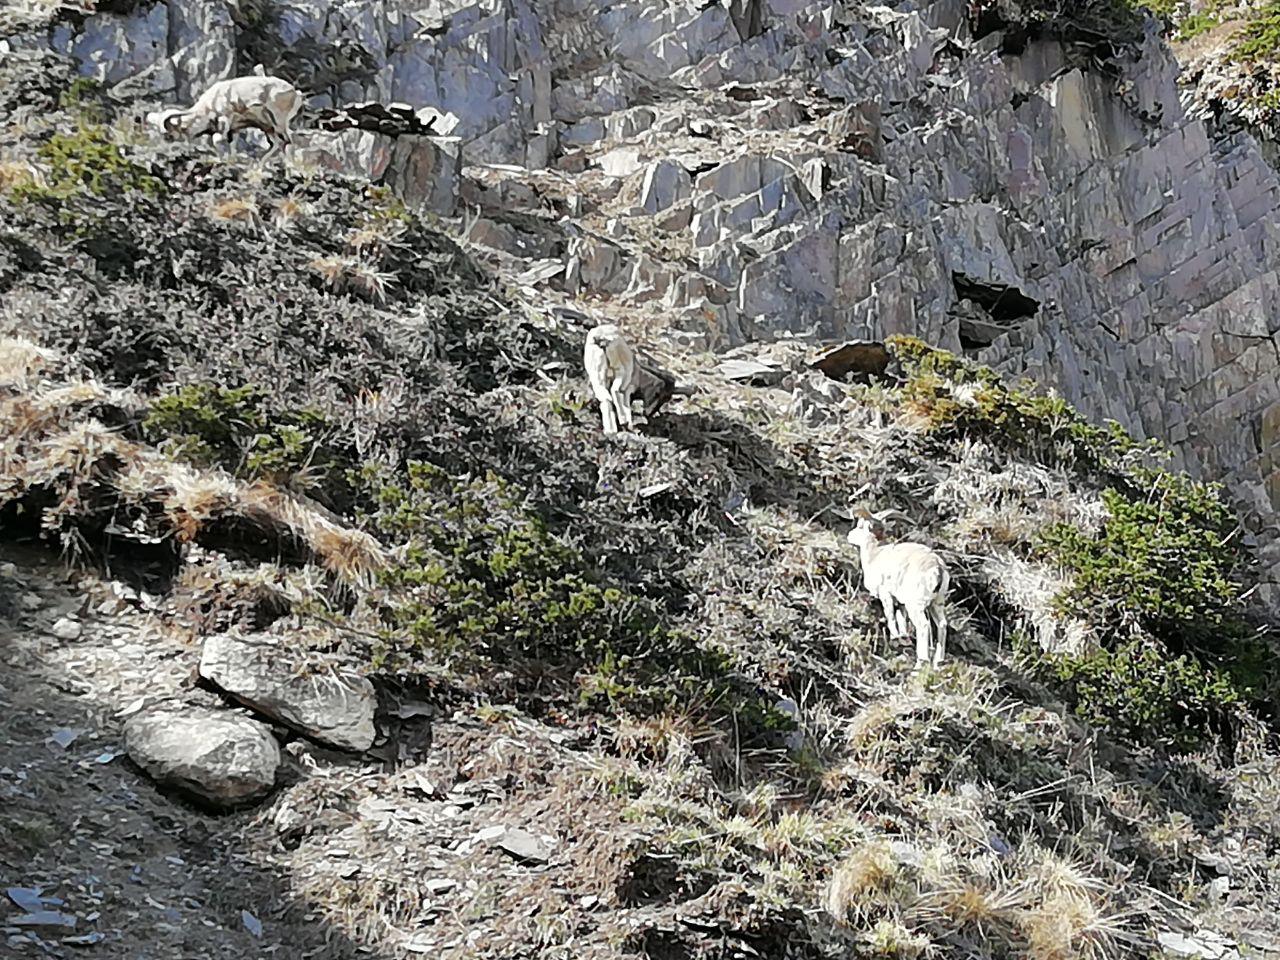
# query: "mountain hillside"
x,y
333,626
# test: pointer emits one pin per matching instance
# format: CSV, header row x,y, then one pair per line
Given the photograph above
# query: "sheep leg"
x,y
920,621
897,627
609,416
939,615
623,403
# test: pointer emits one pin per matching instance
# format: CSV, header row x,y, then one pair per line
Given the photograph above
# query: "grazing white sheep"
x,y
259,102
907,574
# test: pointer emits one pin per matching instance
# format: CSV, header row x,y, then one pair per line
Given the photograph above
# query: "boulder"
x,y
259,673
217,756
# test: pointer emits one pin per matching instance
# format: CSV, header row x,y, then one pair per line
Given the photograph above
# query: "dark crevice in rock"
x,y
988,310
1006,304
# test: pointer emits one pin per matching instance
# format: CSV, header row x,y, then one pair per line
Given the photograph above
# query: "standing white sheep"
x,y
618,373
611,368
259,102
907,574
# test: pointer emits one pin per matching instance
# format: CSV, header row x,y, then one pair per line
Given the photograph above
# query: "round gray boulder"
x,y
216,756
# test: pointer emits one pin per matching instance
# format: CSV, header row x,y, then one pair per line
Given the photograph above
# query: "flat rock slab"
x,y
217,756
263,675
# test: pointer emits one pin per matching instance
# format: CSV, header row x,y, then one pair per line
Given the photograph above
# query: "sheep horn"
x,y
885,514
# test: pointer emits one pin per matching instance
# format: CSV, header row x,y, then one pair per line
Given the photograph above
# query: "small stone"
x,y
1219,887
44,918
441,885
67,629
524,846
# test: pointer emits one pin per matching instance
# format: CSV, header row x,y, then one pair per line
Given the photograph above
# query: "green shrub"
x,y
1042,426
81,97
1166,563
1140,692
1260,38
1196,24
233,428
483,582
86,162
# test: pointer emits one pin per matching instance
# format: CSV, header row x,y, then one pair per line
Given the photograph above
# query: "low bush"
x,y
86,162
233,428
483,582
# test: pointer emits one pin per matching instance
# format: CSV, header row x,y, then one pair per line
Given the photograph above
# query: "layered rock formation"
x,y
1039,200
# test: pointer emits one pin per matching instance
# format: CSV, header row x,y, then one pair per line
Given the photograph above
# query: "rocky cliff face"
x,y
1036,196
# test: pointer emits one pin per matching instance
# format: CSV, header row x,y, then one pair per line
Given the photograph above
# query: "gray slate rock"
x,y
261,674
217,756
523,845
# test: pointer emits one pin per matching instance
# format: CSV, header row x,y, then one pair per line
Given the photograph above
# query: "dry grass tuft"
x,y
236,210
890,938
349,275
20,173
289,211
865,878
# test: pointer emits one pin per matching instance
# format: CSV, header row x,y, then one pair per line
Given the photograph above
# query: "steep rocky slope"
x,y
630,701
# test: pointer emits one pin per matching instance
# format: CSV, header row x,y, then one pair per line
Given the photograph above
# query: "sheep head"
x,y
169,122
870,525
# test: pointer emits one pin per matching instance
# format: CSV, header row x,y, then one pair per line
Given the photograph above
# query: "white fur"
x,y
263,103
910,575
611,367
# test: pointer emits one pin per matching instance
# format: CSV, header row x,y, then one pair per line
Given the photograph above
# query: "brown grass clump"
x,y
289,211
235,210
864,879
19,173
349,275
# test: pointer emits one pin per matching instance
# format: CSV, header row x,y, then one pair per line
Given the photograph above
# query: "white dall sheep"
x,y
257,102
618,373
907,574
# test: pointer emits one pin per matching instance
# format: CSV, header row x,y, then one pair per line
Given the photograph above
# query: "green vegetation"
x,y
1043,426
484,582
85,162
81,98
233,428
1196,24
1159,581
1260,37
1165,563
